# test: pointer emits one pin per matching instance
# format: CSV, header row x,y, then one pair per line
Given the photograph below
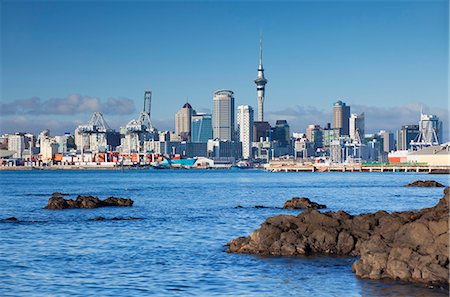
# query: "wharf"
x,y
358,168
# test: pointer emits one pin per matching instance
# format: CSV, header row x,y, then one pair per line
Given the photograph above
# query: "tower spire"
x,y
260,51
260,82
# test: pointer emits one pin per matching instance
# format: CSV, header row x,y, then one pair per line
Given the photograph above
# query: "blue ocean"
x,y
186,218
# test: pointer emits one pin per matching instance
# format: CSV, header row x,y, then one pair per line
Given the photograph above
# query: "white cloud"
x,y
73,104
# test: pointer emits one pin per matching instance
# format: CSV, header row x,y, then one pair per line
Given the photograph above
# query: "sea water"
x,y
177,248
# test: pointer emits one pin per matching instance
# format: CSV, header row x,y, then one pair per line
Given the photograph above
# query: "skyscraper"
x,y
281,133
341,116
356,127
245,129
183,122
223,115
201,128
314,135
260,82
405,135
430,129
388,140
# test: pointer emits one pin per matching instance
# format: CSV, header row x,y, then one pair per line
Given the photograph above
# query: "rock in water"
x,y
86,202
302,203
59,194
115,201
425,183
410,245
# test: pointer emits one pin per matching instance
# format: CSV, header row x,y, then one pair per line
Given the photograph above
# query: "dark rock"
x,y
11,219
425,183
409,246
260,206
302,203
116,201
58,194
86,202
239,206
114,219
97,219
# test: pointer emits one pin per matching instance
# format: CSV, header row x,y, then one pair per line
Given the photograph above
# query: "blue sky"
x,y
63,60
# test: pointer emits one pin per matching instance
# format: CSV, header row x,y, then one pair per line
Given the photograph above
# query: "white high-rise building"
x,y
245,129
356,127
430,129
16,143
223,115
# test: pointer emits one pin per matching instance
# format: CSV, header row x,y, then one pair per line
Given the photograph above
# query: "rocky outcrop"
x,y
410,245
86,202
302,203
425,183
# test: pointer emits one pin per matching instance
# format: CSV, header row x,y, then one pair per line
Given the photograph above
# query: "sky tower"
x,y
260,82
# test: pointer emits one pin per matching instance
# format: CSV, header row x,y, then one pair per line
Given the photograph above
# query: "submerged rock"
x,y
86,202
260,206
11,219
58,194
425,183
302,203
410,245
114,219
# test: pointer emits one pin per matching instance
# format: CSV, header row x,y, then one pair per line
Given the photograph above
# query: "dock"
x,y
294,167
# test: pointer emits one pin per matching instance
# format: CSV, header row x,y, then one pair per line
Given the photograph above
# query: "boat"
x,y
243,165
174,162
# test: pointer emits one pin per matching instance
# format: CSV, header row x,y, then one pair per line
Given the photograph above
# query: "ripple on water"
x,y
178,246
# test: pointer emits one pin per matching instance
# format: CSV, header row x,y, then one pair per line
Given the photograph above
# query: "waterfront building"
x,y
65,143
48,148
314,135
196,149
261,131
388,140
281,133
260,82
346,150
223,115
438,155
356,127
137,131
96,135
224,149
182,148
341,116
183,120
263,150
16,143
375,151
201,127
430,129
4,142
245,129
329,135
406,135
303,148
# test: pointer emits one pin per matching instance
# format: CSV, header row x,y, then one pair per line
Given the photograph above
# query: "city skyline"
x,y
285,99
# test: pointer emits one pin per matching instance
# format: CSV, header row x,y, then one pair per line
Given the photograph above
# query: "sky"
x,y
63,60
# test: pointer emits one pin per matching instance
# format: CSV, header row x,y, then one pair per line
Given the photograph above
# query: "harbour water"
x,y
177,248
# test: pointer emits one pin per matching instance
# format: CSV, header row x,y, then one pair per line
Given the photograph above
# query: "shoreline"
x,y
337,168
